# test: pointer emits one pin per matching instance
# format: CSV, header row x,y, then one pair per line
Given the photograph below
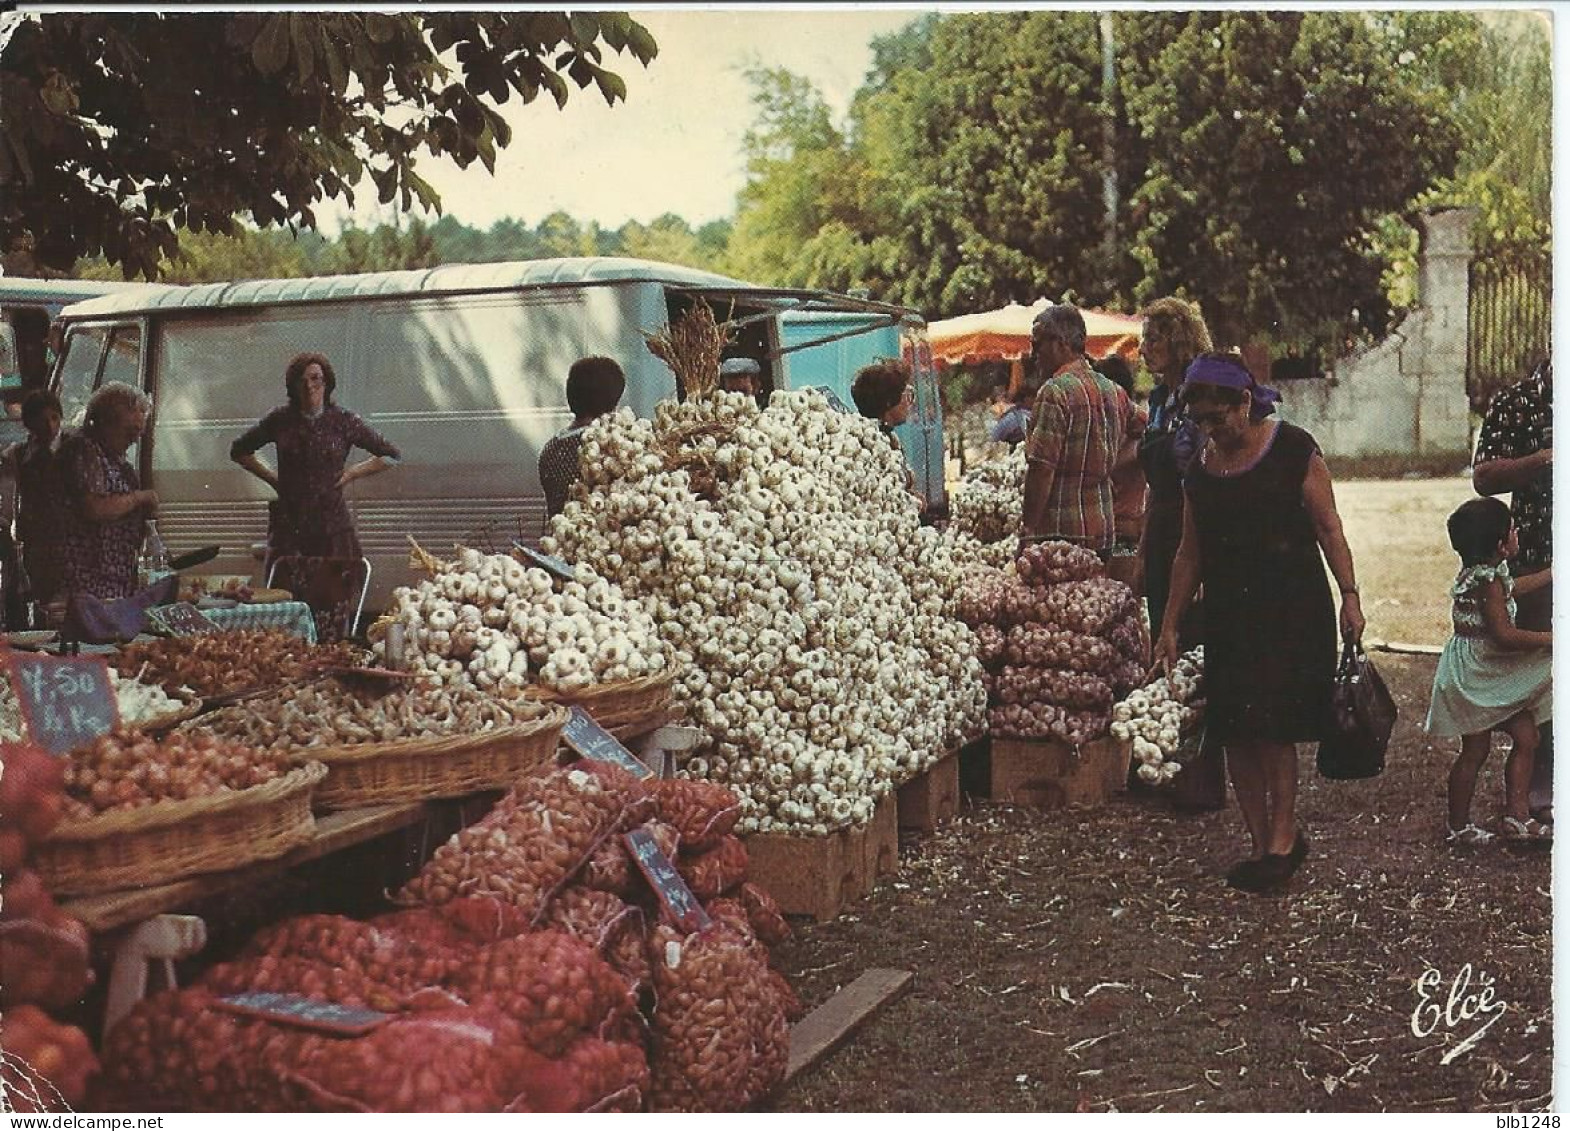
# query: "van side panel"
x,y
469,387
213,376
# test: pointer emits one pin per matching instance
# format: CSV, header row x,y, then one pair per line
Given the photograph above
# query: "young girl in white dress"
x,y
1492,675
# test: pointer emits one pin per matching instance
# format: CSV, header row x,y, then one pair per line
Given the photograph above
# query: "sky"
x,y
674,145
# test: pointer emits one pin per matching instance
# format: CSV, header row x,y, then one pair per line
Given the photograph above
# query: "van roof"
x,y
448,278
459,278
57,292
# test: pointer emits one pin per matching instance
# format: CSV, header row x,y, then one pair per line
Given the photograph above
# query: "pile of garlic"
x,y
805,606
491,621
989,501
1161,716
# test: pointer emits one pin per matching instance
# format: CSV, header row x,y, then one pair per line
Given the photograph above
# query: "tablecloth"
x,y
291,616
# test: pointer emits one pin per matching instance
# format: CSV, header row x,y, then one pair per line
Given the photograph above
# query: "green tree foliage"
x,y
1276,142
121,128
1258,156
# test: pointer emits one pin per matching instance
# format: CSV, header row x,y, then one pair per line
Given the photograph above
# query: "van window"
x,y
125,355
202,379
84,349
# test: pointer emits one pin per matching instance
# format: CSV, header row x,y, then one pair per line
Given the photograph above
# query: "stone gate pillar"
x,y
1443,420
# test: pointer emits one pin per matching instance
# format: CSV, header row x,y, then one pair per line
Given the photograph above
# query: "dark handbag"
x,y
93,620
1362,715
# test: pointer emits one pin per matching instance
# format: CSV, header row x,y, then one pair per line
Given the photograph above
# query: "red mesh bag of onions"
x,y
526,847
702,812
715,871
554,985
720,1038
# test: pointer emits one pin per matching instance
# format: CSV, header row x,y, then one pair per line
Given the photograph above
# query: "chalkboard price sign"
x,y
681,906
550,564
593,741
181,619
307,1013
67,701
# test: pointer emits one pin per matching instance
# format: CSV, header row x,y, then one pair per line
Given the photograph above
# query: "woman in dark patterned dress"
x,y
313,437
106,507
1259,511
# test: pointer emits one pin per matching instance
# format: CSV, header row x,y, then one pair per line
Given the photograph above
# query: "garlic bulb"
x,y
1162,717
805,607
989,501
491,621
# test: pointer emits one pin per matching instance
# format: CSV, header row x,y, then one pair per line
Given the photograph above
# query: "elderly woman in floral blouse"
x,y
106,506
313,437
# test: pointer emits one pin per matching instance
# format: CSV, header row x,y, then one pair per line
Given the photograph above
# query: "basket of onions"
x,y
141,811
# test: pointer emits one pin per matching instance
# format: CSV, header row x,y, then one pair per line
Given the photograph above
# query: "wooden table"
x,y
335,831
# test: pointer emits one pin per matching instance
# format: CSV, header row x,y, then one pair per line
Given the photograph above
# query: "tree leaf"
x,y
270,51
300,33
379,28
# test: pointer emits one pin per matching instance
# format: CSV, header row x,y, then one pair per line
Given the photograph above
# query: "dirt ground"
x,y
1095,960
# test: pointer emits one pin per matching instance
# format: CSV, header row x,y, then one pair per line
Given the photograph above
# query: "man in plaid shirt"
x,y
1515,453
1082,428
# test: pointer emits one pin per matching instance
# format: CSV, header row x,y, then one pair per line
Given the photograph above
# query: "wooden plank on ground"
x,y
821,1031
335,831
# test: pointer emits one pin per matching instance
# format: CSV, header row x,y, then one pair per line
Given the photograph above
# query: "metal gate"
x,y
1508,320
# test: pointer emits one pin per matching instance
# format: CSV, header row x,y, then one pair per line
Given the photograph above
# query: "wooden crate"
x,y
1052,774
811,875
929,800
880,840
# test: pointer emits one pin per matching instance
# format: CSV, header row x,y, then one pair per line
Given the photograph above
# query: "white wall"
x,y
1407,394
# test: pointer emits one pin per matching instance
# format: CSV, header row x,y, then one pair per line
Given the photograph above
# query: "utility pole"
x,y
1109,150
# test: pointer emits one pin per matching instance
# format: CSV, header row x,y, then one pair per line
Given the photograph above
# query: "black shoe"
x,y
1299,851
1243,873
1264,876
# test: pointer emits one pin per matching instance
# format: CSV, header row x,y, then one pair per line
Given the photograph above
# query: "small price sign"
x,y
181,619
681,906
67,701
593,741
305,1012
549,563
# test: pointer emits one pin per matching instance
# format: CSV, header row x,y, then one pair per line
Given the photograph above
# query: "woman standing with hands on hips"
x,y
1259,510
313,437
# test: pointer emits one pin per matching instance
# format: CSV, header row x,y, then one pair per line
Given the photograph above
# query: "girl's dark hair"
x,y
294,377
878,387
1476,529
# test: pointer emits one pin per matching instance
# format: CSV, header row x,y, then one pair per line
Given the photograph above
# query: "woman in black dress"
x,y
313,437
1259,511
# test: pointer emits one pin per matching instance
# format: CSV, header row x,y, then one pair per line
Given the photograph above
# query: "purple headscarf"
x,y
1208,369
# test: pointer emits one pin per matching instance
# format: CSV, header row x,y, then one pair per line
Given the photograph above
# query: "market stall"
x,y
596,933
1004,335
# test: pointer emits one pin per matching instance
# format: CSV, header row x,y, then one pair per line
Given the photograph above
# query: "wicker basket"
x,y
625,708
170,840
416,769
